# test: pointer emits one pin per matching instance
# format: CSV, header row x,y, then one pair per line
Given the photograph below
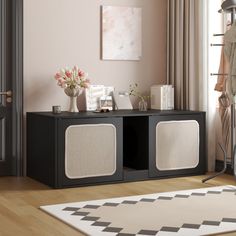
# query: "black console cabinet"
x,y
135,146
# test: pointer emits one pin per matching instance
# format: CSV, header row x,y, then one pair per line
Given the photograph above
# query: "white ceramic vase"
x,y
73,93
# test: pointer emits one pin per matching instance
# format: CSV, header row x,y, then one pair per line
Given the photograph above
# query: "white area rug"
x,y
193,212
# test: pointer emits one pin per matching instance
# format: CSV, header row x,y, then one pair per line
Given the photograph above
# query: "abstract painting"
x,y
121,33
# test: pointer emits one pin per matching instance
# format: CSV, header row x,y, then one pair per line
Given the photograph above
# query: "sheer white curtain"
x,y
187,56
216,26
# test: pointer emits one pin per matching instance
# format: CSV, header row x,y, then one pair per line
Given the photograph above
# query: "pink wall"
x,y
59,33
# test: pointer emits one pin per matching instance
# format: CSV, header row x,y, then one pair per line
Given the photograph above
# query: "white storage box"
x,y
162,97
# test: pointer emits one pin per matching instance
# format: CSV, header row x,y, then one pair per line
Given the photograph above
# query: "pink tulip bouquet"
x,y
72,78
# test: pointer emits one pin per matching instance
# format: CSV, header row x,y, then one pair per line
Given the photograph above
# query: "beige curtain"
x,y
184,52
187,54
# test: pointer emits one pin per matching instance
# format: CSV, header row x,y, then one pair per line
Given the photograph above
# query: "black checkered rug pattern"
x,y
86,213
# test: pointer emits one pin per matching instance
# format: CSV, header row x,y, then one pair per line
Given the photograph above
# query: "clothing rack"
x,y
217,44
218,35
228,6
216,74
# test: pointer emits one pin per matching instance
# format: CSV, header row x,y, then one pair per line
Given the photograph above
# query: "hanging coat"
x,y
224,110
230,52
222,73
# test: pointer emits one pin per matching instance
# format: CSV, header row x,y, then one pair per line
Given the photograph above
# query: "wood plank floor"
x,y
20,199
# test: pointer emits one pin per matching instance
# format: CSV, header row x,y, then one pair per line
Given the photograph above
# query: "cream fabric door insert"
x,y
90,150
177,145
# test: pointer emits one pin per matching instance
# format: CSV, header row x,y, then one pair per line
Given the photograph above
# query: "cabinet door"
x,y
90,151
176,145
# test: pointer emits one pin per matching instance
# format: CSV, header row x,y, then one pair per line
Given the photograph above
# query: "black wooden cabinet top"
x,y
117,113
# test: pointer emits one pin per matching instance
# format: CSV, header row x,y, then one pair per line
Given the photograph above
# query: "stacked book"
x,y
162,97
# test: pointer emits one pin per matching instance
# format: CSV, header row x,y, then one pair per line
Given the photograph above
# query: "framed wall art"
x,y
121,33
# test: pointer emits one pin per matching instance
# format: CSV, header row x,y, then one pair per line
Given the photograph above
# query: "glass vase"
x,y
142,105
